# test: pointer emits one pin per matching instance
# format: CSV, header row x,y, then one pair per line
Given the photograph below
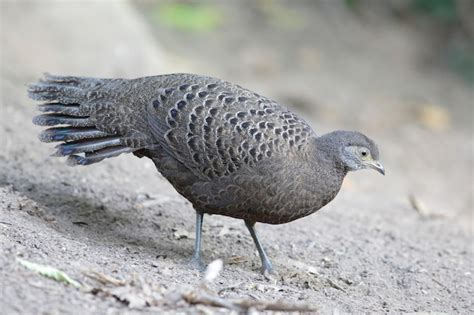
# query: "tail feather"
x,y
58,119
89,145
70,134
71,80
58,108
63,93
97,156
68,110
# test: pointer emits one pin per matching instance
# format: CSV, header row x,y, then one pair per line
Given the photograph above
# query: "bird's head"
x,y
353,150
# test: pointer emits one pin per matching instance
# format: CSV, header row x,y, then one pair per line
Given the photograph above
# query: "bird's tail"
x,y
67,113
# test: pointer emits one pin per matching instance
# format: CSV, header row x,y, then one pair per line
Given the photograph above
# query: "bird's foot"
x,y
270,275
197,263
268,271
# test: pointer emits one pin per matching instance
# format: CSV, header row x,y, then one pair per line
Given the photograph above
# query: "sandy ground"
x,y
368,251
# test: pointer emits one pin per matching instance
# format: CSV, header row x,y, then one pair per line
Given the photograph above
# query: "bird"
x,y
226,149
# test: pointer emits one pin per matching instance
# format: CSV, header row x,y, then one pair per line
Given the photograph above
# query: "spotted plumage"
x,y
228,150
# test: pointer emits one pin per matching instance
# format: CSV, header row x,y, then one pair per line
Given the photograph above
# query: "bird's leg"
x,y
266,264
196,260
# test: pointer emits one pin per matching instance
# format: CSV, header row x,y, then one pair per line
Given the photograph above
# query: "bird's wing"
x,y
214,127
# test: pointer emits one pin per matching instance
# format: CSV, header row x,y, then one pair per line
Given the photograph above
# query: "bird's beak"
x,y
376,165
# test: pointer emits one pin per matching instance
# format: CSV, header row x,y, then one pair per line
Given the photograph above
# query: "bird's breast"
x,y
274,192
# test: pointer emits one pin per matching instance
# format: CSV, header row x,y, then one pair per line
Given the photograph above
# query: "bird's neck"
x,y
327,151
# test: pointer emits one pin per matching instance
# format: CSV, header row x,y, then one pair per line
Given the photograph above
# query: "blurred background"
x,y
400,71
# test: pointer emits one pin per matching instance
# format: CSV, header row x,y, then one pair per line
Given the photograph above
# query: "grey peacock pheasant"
x,y
226,149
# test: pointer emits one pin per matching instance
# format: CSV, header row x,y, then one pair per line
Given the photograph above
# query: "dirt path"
x,y
368,251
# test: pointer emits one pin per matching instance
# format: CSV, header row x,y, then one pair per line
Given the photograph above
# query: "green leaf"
x,y
188,17
352,4
49,272
444,10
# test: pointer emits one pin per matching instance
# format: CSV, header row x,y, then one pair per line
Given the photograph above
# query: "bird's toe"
x,y
197,264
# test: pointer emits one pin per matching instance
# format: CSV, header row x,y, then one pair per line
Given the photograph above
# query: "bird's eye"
x,y
364,153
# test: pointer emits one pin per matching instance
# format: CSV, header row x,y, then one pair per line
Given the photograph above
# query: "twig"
x,y
211,300
80,223
104,279
334,285
193,297
274,306
441,285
